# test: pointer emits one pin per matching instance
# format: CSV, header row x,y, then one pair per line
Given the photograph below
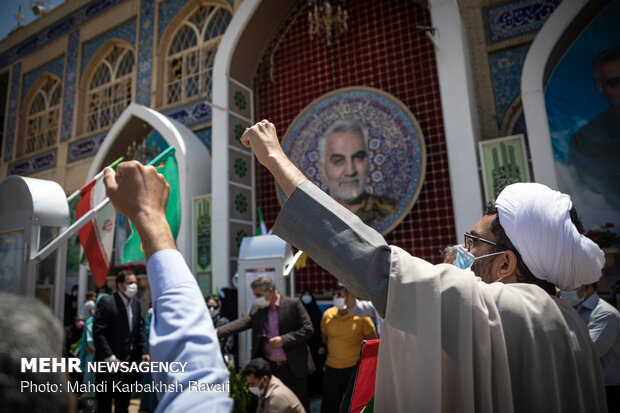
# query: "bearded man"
x,y
494,339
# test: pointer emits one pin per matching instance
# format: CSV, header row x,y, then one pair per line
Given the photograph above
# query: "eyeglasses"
x,y
471,240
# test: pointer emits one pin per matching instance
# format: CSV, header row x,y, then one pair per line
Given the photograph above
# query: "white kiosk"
x,y
33,212
262,255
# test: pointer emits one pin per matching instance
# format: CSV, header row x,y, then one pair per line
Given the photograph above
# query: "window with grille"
x,y
191,53
110,89
42,118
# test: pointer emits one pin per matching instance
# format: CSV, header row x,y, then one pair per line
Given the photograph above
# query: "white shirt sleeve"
x,y
182,330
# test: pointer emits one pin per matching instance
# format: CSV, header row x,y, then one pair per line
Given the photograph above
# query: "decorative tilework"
x,y
168,9
36,163
506,66
85,147
70,80
191,113
56,30
56,66
517,18
145,52
12,113
381,49
126,31
205,137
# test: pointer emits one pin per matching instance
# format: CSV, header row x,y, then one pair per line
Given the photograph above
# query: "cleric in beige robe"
x,y
451,342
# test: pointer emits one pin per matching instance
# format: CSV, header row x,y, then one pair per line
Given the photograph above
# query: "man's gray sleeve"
x,y
338,241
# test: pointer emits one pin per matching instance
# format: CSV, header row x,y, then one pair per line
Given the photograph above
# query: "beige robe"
x,y
450,342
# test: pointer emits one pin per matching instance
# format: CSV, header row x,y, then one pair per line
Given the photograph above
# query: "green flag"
x,y
166,164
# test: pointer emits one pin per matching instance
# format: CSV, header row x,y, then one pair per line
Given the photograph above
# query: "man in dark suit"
x,y
280,328
118,332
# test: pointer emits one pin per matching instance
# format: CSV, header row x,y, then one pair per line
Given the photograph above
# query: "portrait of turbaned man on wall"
x,y
365,149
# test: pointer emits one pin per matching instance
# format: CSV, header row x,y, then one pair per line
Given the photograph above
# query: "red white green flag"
x,y
97,236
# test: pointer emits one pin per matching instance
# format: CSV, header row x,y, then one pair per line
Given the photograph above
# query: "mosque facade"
x,y
459,98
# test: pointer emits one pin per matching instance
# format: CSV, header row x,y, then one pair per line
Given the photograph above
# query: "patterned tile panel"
x,y
506,67
167,10
85,147
56,66
145,51
33,164
205,137
56,30
126,31
12,113
191,113
517,18
70,85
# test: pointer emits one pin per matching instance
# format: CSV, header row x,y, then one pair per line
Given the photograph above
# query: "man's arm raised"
x,y
263,140
141,194
312,221
181,330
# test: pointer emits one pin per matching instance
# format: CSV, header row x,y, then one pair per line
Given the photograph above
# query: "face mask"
x,y
262,302
213,311
465,259
79,324
306,299
572,298
339,303
131,290
255,390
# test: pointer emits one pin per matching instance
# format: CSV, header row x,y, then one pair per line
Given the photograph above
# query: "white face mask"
x,y
306,299
256,390
339,303
262,302
131,290
213,311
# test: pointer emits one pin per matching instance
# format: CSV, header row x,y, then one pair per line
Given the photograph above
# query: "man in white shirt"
x,y
603,322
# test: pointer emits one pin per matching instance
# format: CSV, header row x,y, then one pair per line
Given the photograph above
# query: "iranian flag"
x,y
97,236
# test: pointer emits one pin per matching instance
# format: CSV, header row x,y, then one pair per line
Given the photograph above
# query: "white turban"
x,y
88,306
537,221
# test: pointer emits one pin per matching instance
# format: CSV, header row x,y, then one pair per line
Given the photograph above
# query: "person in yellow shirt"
x,y
343,334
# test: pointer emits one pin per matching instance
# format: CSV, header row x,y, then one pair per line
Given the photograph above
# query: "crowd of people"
x,y
509,322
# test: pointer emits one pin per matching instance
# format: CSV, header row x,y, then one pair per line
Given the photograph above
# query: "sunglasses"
x,y
471,240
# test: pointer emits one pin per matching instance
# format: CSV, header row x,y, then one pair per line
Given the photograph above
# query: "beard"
x,y
349,192
482,269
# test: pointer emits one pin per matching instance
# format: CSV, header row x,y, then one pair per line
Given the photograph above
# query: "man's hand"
x,y
263,140
275,342
141,194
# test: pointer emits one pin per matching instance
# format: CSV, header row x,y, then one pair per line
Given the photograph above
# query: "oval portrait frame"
x,y
396,148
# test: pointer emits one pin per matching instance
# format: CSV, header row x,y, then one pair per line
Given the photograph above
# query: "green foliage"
x,y
244,401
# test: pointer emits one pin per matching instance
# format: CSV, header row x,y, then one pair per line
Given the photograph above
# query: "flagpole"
x,y
94,178
77,225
